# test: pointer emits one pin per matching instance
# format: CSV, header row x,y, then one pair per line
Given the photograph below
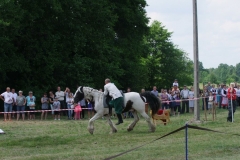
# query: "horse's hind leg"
x,y
114,129
136,119
90,124
151,126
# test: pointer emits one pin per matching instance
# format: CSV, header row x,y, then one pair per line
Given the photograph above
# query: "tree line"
x,y
223,74
50,43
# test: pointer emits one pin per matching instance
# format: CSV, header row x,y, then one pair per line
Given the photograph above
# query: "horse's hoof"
x,y
114,131
90,131
129,129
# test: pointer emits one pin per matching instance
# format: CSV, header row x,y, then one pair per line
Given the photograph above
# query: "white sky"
x,y
218,27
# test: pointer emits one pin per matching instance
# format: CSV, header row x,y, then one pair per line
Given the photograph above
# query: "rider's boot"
x,y
120,120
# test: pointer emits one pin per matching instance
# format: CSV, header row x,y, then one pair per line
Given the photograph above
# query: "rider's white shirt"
x,y
112,90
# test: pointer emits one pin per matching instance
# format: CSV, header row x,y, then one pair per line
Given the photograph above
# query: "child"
x,y
77,111
56,108
175,83
210,101
90,109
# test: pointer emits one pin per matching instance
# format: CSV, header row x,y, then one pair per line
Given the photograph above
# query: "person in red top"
x,y
232,103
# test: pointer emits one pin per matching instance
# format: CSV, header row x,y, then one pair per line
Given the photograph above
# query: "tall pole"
x,y
196,67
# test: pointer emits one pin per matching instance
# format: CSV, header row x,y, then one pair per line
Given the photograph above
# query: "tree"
x,y
70,43
164,61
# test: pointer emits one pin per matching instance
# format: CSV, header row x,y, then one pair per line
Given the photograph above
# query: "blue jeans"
x,y
52,108
21,108
69,111
7,107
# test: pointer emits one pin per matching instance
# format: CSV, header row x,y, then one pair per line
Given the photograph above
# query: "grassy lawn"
x,y
69,139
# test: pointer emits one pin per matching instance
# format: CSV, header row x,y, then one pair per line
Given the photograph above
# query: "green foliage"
x,y
164,61
68,43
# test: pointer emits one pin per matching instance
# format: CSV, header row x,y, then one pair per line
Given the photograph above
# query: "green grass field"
x,y
69,139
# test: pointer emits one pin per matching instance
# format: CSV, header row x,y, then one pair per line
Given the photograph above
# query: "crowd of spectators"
x,y
15,105
182,101
178,101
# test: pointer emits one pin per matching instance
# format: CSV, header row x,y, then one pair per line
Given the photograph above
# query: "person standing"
x,y
117,101
238,94
20,102
8,99
69,101
164,100
172,103
209,87
219,96
51,100
205,98
184,94
44,101
175,89
210,102
214,94
177,103
83,106
14,106
31,105
232,103
56,108
60,96
224,97
191,102
154,91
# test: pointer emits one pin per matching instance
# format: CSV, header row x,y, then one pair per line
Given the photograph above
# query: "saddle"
x,y
108,98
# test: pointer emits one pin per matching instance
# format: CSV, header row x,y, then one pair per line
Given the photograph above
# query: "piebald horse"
x,y
132,100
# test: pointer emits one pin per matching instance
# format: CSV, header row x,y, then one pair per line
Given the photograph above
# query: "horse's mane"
x,y
93,90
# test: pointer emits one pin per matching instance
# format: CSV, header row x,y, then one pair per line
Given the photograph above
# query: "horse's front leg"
x,y
90,123
114,129
151,126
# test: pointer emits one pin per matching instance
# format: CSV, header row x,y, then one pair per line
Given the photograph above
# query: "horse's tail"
x,y
152,100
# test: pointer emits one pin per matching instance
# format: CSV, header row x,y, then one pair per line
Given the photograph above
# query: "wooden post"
x,y
196,61
205,109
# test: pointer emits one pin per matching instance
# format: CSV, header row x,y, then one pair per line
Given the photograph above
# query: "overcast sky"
x,y
218,27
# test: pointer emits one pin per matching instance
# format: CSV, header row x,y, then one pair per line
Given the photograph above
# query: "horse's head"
x,y
79,95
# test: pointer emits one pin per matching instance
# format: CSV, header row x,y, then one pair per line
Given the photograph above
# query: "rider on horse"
x,y
117,98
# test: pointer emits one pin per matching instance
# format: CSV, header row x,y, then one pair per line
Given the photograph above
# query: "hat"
x,y
20,91
175,79
30,92
56,98
185,85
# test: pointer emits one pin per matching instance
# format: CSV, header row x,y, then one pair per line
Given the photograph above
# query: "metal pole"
x,y
186,141
232,107
196,66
